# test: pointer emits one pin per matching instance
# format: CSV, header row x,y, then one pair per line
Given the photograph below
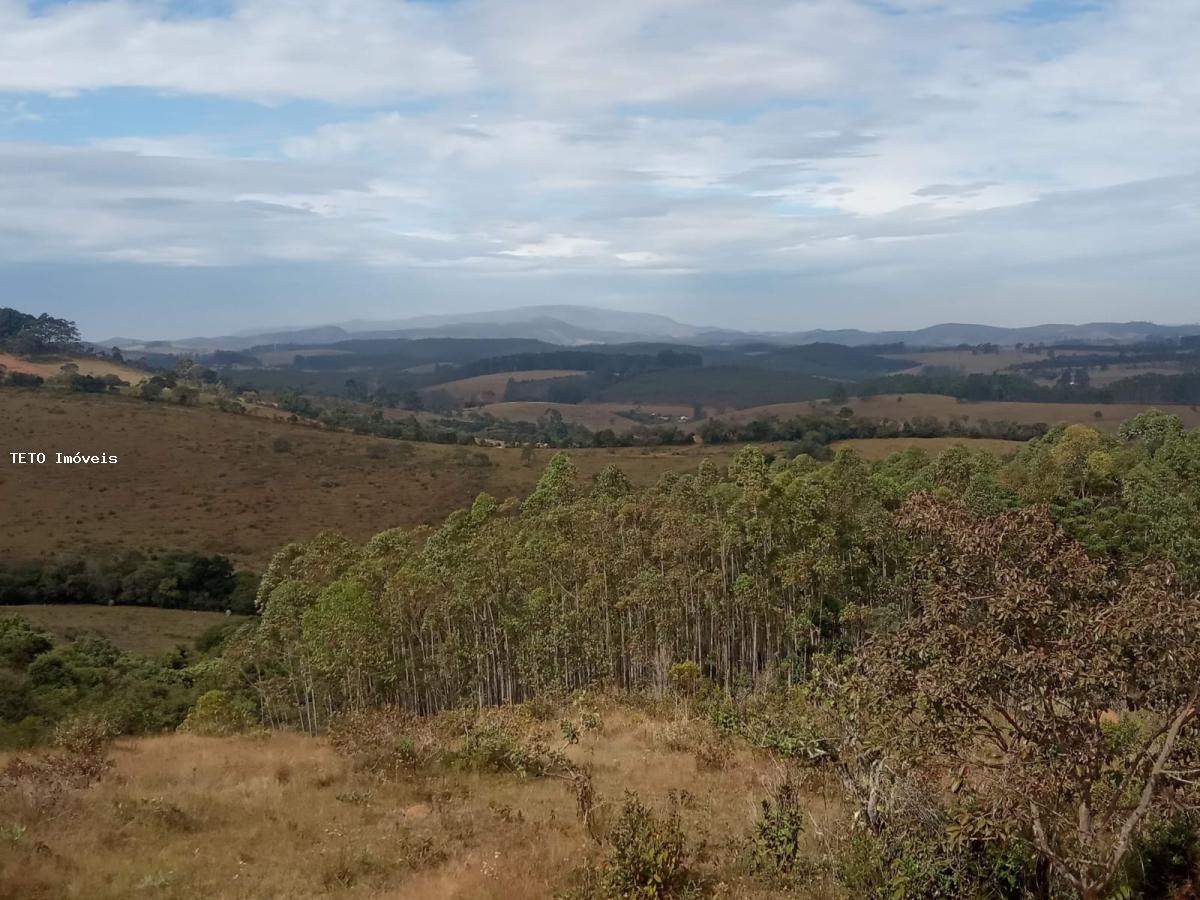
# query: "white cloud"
x,y
831,142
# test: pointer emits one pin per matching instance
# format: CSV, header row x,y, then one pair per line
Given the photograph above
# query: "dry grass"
x,y
594,416
967,362
49,366
490,388
282,816
133,628
288,357
591,416
874,449
947,408
208,481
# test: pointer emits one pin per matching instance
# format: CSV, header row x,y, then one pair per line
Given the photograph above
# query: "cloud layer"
x,y
890,163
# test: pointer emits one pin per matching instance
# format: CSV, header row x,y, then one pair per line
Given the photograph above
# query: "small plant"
x,y
281,444
646,854
684,678
775,842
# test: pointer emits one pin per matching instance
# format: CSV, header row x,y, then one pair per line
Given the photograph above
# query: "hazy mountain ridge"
x,y
580,325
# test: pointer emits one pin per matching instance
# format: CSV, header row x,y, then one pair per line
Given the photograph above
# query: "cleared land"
x,y
49,366
947,408
288,357
594,416
137,629
282,815
967,362
874,449
490,388
214,482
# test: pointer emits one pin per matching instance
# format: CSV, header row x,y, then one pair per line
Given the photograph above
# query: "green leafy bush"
x,y
647,855
775,842
216,713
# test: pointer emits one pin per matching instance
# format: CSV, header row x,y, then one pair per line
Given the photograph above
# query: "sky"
x,y
185,167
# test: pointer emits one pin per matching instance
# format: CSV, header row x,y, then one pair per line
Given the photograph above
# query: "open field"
x,y
874,449
136,629
283,817
288,357
594,416
490,388
214,482
49,366
947,408
967,362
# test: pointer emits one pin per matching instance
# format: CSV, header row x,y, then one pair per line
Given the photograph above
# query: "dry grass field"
x,y
214,482
967,362
594,416
947,408
875,449
48,366
281,816
287,357
490,388
136,629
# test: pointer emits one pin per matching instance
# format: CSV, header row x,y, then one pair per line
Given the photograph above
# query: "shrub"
x,y
775,841
646,854
281,444
684,678
384,741
1166,859
216,713
489,744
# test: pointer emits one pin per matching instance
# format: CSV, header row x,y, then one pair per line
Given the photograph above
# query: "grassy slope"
x,y
133,628
50,366
485,387
209,481
282,816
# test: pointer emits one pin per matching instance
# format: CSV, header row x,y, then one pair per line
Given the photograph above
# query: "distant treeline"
x,y
813,434
72,381
178,580
582,360
1149,388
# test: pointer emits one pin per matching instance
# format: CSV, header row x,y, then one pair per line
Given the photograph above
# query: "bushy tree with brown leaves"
x,y
1056,698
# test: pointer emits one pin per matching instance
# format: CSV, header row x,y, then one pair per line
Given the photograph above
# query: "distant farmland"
x,y
48,367
490,388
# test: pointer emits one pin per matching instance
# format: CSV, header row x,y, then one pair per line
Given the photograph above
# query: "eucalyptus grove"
x,y
750,573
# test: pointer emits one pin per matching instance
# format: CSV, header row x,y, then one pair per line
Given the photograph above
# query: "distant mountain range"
x,y
573,326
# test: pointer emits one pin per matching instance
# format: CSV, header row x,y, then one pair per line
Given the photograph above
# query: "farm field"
x,y
966,361
490,388
244,486
48,367
281,815
875,449
288,357
594,416
135,629
947,408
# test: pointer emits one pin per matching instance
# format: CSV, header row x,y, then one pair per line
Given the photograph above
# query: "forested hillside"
x,y
975,677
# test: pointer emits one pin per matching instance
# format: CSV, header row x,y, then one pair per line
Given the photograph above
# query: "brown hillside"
x,y
203,480
490,388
